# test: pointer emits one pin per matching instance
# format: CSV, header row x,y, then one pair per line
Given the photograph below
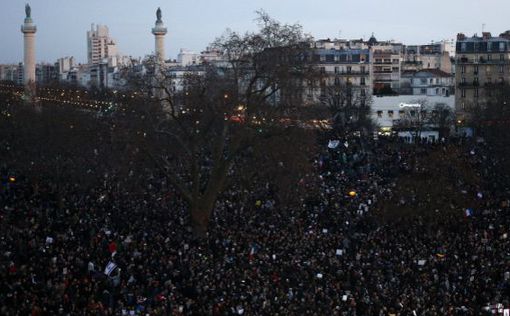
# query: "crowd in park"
x,y
337,253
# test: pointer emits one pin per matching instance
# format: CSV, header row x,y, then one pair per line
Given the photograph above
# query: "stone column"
x,y
159,31
28,29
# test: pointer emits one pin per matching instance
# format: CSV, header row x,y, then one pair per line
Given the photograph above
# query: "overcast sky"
x,y
193,24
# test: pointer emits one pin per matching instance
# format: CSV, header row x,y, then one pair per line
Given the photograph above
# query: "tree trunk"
x,y
199,222
200,216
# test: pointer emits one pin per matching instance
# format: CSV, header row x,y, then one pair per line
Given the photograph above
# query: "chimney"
x,y
461,37
486,35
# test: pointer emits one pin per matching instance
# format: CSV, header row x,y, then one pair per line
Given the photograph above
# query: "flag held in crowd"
x,y
333,144
109,268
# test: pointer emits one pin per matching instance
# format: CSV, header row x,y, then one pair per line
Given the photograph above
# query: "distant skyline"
x,y
193,24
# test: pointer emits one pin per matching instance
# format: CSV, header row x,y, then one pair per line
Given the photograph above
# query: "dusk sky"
x,y
193,24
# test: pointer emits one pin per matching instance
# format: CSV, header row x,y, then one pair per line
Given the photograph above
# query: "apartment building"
x,y
431,56
386,60
99,45
340,66
482,62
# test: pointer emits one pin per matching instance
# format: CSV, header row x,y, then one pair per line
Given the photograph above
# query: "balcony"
x,y
469,84
352,73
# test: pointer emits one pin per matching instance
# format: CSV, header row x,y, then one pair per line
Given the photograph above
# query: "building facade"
x,y
386,59
344,68
432,82
482,62
99,45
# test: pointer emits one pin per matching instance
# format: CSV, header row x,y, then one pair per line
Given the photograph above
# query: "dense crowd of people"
x,y
112,253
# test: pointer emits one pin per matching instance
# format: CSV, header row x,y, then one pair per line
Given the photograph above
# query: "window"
x,y
476,92
390,113
463,47
501,69
400,114
431,81
362,69
322,70
463,93
437,91
501,57
475,81
489,46
501,46
412,113
337,81
475,70
349,68
337,69
379,114
489,80
463,80
323,58
362,81
488,69
489,57
423,80
362,92
423,91
463,69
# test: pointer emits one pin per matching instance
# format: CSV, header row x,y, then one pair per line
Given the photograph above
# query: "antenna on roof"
x,y
483,27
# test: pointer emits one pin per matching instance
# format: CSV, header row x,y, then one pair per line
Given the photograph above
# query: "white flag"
x,y
333,144
109,268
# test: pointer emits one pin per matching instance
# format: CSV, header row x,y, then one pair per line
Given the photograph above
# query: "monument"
x,y
159,31
28,29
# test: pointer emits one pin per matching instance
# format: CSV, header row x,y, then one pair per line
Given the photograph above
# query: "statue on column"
x,y
28,11
158,15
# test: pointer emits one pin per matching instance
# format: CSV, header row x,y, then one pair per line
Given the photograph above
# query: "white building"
x,y
432,82
65,65
389,109
179,74
187,58
99,45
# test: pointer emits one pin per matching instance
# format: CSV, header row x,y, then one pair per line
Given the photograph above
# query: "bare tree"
x,y
205,127
350,109
442,118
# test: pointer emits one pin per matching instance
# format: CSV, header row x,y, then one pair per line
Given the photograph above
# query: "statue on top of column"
x,y
28,10
158,15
